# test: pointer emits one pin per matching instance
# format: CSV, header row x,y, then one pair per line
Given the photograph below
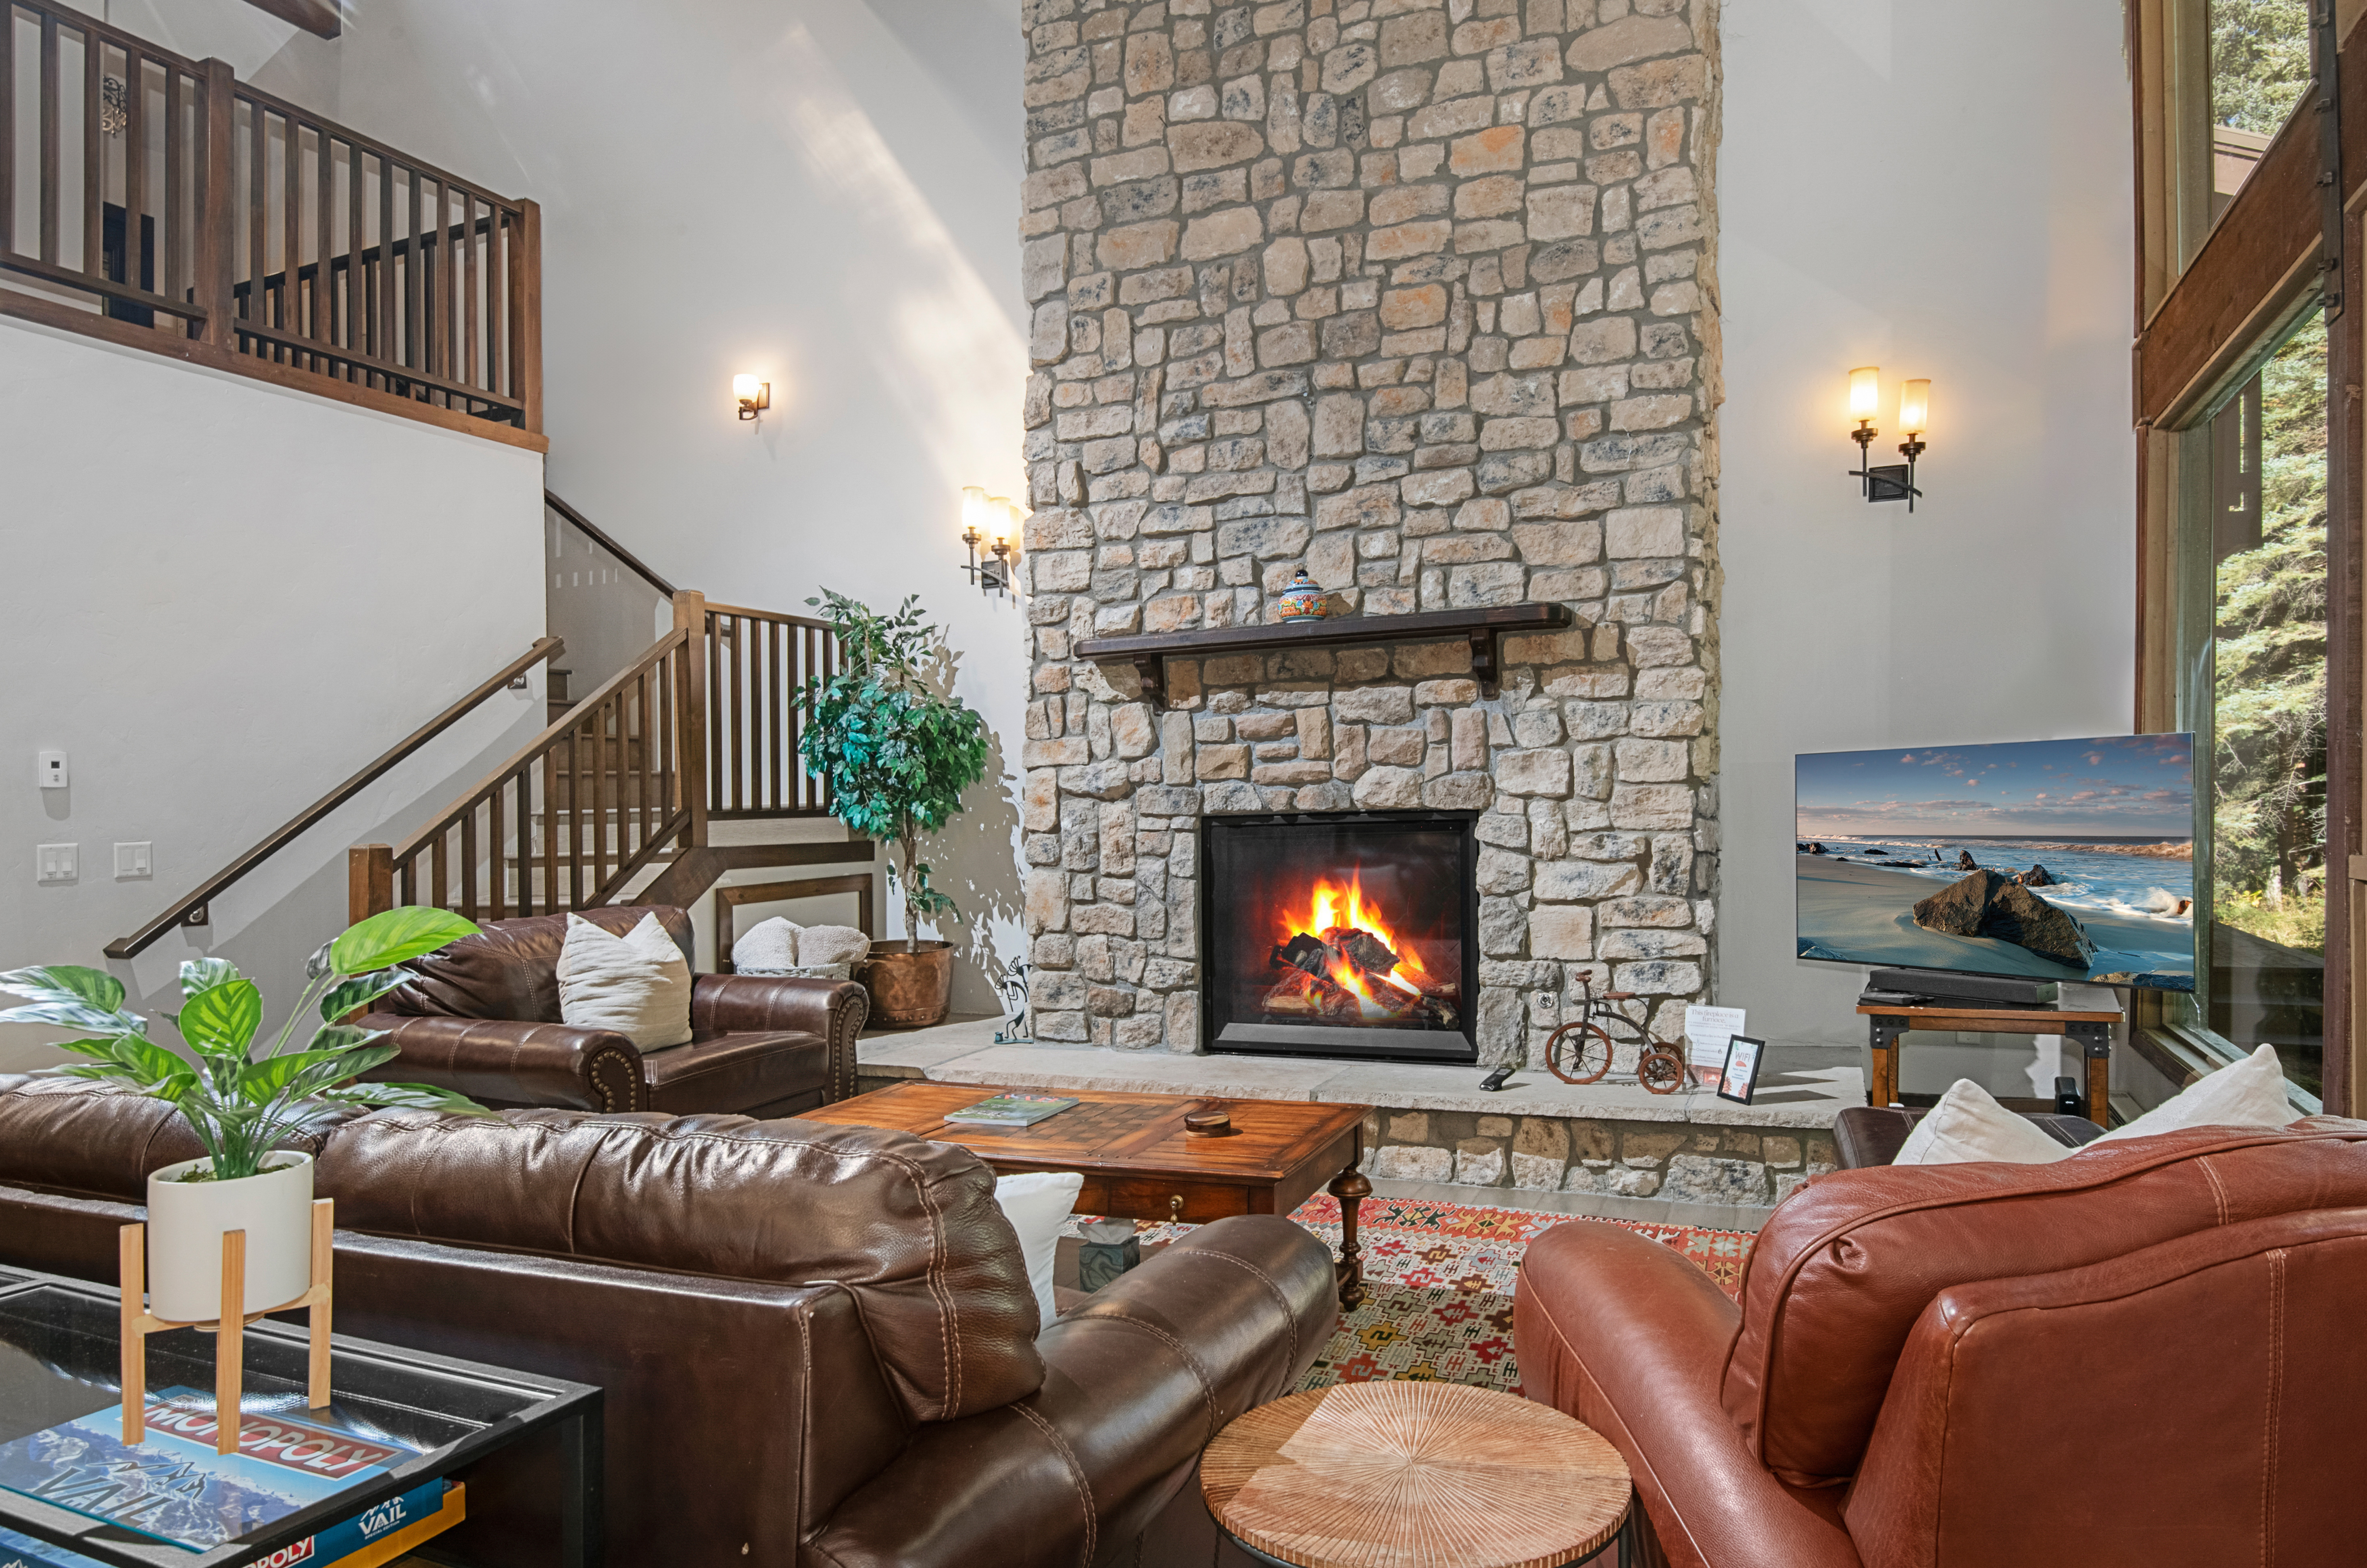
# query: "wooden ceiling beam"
x,y
313,16
2260,252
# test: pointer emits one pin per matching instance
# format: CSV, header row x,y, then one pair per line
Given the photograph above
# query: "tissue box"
x,y
1106,1249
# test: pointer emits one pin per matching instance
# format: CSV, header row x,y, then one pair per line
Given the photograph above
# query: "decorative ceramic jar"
x,y
1302,601
186,1222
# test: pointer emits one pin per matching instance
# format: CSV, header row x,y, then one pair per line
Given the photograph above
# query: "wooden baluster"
x,y
291,224
468,862
382,341
439,877
579,743
612,715
258,217
497,869
551,905
94,156
690,615
450,243
498,357
355,311
135,170
413,338
172,228
9,132
469,289
50,110
324,285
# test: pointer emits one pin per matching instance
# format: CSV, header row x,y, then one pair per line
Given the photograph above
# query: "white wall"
x,y
822,192
223,599
1941,188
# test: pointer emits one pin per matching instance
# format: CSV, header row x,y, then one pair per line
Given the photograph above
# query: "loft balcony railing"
x,y
214,220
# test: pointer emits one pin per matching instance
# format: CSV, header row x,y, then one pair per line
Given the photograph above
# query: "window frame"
x,y
2212,301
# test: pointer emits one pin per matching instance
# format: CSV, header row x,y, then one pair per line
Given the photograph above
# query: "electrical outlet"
x,y
58,863
132,861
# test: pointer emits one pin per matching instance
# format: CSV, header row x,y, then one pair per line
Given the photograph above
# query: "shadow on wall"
x,y
981,871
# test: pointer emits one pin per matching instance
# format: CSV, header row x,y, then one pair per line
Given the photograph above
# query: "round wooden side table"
x,y
1414,1475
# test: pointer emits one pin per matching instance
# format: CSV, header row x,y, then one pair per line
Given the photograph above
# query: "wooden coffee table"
x,y
1138,1161
1415,1475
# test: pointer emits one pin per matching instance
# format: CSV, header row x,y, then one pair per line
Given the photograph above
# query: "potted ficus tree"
x,y
240,1102
898,752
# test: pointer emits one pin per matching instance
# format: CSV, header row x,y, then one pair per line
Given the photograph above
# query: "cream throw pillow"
x,y
638,984
1036,1204
1968,1124
2250,1093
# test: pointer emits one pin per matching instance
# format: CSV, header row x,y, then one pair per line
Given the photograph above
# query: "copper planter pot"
x,y
910,982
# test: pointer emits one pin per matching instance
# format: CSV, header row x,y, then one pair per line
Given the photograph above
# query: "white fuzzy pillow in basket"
x,y
780,946
638,984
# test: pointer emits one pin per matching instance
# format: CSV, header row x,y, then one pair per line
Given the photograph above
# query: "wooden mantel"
x,y
1149,655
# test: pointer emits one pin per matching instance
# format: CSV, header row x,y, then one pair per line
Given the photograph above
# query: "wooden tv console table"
x,y
2091,1031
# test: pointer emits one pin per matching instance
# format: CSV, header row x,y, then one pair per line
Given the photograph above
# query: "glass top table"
x,y
60,1359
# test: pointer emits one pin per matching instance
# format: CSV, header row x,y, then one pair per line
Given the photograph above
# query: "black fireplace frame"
x,y
1371,1045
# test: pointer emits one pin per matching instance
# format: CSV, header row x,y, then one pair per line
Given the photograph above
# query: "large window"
x,y
2260,64
2265,722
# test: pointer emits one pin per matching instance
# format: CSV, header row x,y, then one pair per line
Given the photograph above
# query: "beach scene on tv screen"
x,y
2056,859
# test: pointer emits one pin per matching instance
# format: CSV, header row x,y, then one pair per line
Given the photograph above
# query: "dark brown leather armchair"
x,y
2147,1354
818,1343
482,1018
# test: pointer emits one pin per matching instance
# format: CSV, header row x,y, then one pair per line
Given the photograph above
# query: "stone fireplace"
x,y
1344,934
1416,297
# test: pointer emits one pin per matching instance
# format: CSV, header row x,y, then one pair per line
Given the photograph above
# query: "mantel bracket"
x,y
1484,648
1153,669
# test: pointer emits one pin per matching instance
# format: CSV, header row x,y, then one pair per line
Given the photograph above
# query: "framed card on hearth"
x,y
1741,1074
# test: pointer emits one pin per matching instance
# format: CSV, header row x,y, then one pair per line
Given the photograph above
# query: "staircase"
x,y
612,802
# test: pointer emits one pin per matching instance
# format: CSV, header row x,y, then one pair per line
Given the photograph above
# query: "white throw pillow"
x,y
769,947
2250,1093
1036,1204
638,984
818,945
1968,1124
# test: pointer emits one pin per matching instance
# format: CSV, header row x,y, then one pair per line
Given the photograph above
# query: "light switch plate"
x,y
131,860
58,863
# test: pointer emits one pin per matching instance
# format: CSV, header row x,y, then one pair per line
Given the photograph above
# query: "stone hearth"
x,y
1433,1124
1414,294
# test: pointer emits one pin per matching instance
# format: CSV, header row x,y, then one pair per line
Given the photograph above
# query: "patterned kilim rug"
x,y
1438,1284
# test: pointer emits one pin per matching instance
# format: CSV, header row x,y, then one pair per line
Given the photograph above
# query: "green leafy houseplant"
x,y
238,1102
898,752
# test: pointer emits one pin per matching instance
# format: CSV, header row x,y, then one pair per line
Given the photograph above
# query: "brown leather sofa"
x,y
818,1343
482,1018
2148,1354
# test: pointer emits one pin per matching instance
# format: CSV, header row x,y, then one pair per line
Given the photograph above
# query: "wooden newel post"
x,y
369,882
217,246
690,615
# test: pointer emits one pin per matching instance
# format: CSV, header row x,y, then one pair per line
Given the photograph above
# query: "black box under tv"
x,y
1949,989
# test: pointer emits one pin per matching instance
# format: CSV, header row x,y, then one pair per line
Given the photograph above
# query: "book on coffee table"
x,y
1011,1110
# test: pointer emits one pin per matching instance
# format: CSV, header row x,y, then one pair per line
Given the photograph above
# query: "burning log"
x,y
1303,952
1302,994
1361,948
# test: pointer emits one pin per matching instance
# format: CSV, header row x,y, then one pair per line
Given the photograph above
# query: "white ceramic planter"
x,y
186,1221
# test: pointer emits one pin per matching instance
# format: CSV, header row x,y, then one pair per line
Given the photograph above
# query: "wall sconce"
x,y
1891,481
982,515
753,395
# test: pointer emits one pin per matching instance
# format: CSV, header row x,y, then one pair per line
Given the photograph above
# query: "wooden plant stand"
x,y
229,1328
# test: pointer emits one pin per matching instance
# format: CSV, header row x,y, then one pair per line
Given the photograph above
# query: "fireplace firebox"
x,y
1353,934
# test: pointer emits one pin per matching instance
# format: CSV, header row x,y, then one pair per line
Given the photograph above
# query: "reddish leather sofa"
x,y
2147,1354
818,1343
482,1018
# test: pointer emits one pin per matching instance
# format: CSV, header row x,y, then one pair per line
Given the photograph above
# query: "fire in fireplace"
x,y
1347,935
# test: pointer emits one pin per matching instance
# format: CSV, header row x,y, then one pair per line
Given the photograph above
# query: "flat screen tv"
x,y
2050,860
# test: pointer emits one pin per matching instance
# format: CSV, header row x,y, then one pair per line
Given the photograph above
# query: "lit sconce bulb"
x,y
1915,407
975,513
1866,391
752,393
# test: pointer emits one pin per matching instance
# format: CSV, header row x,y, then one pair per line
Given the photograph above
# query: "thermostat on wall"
x,y
53,769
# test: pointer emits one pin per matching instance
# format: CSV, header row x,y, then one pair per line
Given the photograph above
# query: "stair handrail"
x,y
587,527
192,910
373,866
